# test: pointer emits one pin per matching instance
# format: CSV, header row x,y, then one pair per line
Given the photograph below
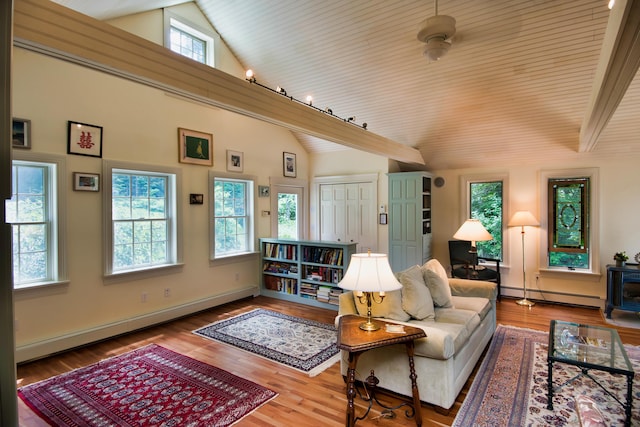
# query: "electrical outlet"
x,y
143,297
167,292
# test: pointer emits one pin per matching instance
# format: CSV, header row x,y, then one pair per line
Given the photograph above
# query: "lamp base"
x,y
369,326
525,302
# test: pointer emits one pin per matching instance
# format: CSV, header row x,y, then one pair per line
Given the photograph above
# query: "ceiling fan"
x,y
436,32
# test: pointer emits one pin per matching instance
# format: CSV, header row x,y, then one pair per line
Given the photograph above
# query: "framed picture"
x,y
86,181
84,139
263,191
289,164
195,147
235,161
383,218
196,199
21,133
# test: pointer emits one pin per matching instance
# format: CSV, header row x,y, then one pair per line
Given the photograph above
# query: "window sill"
x,y
39,285
125,276
232,259
583,274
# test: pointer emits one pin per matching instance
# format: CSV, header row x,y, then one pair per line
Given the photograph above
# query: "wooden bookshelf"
x,y
305,271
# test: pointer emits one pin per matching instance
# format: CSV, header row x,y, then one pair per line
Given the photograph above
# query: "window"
x,y
568,209
143,231
35,212
189,40
568,213
485,202
233,214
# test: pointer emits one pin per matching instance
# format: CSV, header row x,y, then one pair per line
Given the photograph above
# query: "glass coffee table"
x,y
589,347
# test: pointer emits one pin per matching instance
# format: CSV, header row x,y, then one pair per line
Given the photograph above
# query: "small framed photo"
x,y
21,133
195,147
263,191
196,199
86,181
235,161
289,164
383,218
84,139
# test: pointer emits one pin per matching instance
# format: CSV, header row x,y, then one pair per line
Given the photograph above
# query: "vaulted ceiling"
x,y
515,87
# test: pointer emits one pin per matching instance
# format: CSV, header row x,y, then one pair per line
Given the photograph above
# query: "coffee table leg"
x,y
351,389
414,383
549,385
627,408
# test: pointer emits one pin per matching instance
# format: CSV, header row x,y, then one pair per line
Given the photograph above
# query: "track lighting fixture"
x,y
251,78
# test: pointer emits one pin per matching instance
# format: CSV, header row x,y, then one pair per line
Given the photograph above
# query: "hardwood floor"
x,y
317,401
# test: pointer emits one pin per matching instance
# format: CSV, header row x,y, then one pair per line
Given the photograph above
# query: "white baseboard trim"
x,y
60,343
557,297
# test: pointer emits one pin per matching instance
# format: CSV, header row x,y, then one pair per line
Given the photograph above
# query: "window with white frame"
x,y
569,212
36,214
233,216
143,230
189,40
484,200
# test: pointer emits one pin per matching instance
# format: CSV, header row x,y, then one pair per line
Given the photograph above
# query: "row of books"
x,y
320,293
281,284
280,267
323,274
322,255
278,250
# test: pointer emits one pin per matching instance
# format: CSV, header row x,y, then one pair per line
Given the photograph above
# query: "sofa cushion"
x,y
439,288
391,307
443,340
479,305
467,318
416,298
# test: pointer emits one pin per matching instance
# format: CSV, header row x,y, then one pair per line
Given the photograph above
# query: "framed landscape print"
x,y
84,139
21,133
289,164
195,147
235,161
86,181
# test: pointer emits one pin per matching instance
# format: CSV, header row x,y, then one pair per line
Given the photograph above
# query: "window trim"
x,y
465,203
108,167
594,219
210,38
59,229
213,175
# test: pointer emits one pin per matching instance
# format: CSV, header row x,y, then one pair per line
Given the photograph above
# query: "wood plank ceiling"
x,y
513,89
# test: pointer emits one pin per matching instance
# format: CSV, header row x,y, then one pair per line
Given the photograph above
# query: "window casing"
x,y
232,216
142,227
189,40
36,214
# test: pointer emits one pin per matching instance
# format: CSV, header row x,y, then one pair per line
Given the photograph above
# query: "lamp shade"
x,y
472,230
369,273
522,218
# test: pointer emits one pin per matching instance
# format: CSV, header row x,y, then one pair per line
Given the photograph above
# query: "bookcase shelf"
x,y
305,271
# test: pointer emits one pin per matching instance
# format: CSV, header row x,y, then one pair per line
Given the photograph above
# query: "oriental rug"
x,y
306,345
510,387
150,386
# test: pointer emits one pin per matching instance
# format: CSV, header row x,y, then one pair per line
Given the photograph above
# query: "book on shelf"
x,y
280,250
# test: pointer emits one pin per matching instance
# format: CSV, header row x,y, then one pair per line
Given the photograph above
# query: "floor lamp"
x,y
522,219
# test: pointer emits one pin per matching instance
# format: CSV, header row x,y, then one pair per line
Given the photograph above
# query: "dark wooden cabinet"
x,y
623,288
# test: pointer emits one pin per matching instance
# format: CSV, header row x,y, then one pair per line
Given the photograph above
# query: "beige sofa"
x,y
459,318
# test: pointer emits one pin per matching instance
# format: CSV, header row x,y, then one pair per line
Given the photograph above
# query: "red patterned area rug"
x,y
150,386
510,387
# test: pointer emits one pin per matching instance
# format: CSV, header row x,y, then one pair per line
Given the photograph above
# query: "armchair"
x,y
464,265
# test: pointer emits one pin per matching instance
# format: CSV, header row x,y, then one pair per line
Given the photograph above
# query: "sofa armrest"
x,y
346,304
473,288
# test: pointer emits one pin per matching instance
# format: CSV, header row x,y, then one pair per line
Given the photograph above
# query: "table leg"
x,y
627,408
549,385
351,389
414,384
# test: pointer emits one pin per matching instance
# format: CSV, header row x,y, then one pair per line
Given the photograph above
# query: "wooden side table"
x,y
356,341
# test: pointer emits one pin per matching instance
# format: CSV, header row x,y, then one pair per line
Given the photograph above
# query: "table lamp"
x,y
473,231
366,274
522,219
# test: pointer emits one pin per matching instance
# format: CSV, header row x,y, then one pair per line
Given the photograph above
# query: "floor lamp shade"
x,y
366,274
523,219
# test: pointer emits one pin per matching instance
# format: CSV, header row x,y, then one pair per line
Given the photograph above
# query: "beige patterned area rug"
x,y
510,388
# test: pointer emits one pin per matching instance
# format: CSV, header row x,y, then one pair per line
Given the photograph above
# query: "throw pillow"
x,y
391,307
435,266
439,288
416,298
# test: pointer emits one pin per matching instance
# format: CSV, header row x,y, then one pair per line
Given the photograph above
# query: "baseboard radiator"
x,y
40,349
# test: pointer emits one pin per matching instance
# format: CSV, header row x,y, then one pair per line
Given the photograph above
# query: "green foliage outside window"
x,y
287,216
230,217
486,206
